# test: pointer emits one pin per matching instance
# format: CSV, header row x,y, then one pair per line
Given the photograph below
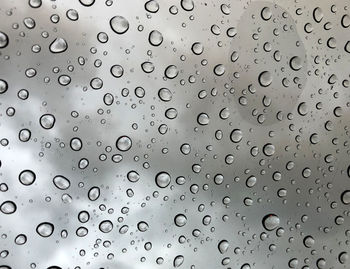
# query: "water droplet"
x,y
152,6
59,45
3,86
270,222
295,63
119,24
197,48
265,79
165,94
162,179
345,197
142,226
4,40
45,229
20,239
47,121
266,13
87,3
187,5
106,226
61,182
343,257
27,177
318,14
117,71
155,38
236,135
94,193
203,119
171,72
133,176
178,261
8,207
180,220
309,241
35,3
124,143
223,246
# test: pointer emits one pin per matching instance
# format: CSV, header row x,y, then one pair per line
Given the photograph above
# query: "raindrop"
x,y
152,6
35,3
94,193
61,182
47,121
142,226
133,176
265,79
155,38
59,45
117,71
87,3
197,48
123,143
236,136
162,179
266,13
309,241
45,229
295,63
180,220
3,86
165,94
318,14
76,144
119,24
178,261
345,197
171,72
270,222
4,40
187,5
8,207
27,177
203,119
20,239
106,226
223,246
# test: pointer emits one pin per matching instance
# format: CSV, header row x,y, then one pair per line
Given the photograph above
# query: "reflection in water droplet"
x,y
119,24
271,222
124,143
59,45
27,177
47,121
61,182
180,220
45,229
8,207
265,79
4,40
106,226
163,179
223,246
345,197
178,261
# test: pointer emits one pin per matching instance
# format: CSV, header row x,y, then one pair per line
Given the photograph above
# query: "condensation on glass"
x,y
182,133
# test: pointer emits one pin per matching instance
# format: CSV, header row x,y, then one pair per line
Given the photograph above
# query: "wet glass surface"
x,y
180,133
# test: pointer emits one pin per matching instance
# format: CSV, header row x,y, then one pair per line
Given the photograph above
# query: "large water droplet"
x,y
270,222
45,229
163,179
59,45
119,24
